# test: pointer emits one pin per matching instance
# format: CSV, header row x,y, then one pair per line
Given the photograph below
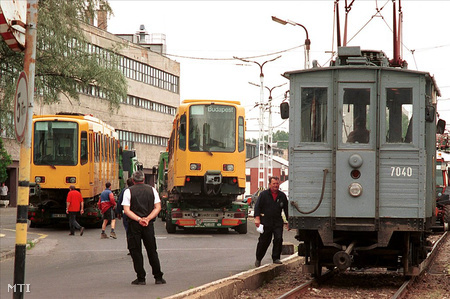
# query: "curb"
x,y
12,253
232,286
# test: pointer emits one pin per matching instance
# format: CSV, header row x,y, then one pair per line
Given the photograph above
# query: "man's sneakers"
x,y
160,281
277,261
257,263
103,236
113,235
81,231
138,282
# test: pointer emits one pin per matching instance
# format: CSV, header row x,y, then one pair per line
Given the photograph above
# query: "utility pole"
x,y
270,131
262,178
25,152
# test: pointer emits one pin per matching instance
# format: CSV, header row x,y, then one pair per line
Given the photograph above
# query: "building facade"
x,y
144,119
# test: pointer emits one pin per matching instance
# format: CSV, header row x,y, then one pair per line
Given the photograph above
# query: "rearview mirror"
x,y
284,110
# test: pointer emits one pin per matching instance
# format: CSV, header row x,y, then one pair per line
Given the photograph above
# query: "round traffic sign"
x,y
21,106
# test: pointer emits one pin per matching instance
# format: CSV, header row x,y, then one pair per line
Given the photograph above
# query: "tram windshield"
x,y
55,143
212,128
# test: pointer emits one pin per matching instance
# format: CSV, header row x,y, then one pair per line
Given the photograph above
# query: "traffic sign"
x,y
21,107
13,17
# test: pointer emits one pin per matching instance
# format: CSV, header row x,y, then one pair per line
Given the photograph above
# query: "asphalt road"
x,y
89,267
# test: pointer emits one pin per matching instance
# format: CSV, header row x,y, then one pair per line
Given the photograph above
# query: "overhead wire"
x,y
230,59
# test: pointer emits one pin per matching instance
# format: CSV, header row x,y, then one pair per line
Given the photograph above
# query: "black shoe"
x,y
160,281
138,282
257,263
277,262
71,234
81,231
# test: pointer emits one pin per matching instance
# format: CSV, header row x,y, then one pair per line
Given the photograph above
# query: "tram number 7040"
x,y
401,171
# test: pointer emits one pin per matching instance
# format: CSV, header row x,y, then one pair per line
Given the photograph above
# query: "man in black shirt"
x,y
141,204
267,212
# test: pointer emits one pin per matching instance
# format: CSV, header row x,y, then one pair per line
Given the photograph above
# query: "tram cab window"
x,y
355,115
399,115
314,114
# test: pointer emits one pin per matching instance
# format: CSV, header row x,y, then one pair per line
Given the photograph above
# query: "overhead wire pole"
x,y
262,178
269,131
25,154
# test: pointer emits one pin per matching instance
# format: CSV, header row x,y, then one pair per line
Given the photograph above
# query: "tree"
x,y
65,62
5,160
281,138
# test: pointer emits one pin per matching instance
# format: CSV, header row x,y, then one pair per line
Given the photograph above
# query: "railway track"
x,y
329,283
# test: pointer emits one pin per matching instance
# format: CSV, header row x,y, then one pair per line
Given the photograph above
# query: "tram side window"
x,y
355,115
241,132
97,147
84,148
182,133
314,114
399,115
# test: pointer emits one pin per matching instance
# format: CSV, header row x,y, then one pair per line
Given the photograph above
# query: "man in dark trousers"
x,y
75,205
267,212
106,204
141,204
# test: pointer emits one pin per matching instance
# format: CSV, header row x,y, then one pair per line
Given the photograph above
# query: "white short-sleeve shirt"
x,y
127,197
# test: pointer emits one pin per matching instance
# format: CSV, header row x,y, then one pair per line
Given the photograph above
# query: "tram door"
x,y
355,154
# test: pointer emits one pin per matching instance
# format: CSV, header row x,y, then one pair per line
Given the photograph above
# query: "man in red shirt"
x,y
75,204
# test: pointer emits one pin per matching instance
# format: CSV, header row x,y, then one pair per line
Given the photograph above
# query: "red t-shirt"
x,y
274,195
75,199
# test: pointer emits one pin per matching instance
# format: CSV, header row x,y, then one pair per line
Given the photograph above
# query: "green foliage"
x,y
5,161
62,58
281,138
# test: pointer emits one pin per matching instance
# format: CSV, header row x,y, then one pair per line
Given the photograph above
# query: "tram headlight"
x,y
39,179
71,180
355,189
195,166
228,167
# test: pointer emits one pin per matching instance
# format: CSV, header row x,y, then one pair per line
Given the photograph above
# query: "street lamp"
x,y
307,40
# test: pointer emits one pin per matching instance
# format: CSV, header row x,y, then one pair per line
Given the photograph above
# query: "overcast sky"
x,y
204,36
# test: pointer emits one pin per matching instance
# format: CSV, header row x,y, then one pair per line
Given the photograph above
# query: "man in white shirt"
x,y
141,204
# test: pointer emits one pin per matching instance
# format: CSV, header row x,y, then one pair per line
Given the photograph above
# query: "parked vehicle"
x,y
203,171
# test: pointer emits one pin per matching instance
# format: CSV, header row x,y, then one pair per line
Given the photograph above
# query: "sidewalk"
x,y
8,219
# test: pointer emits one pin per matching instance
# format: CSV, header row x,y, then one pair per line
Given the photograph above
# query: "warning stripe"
x,y
7,36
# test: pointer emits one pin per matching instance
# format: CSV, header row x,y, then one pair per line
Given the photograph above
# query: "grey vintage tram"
x,y
362,154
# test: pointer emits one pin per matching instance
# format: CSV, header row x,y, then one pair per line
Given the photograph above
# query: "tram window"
x,y
314,114
355,115
182,132
399,115
212,128
55,143
241,130
84,148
